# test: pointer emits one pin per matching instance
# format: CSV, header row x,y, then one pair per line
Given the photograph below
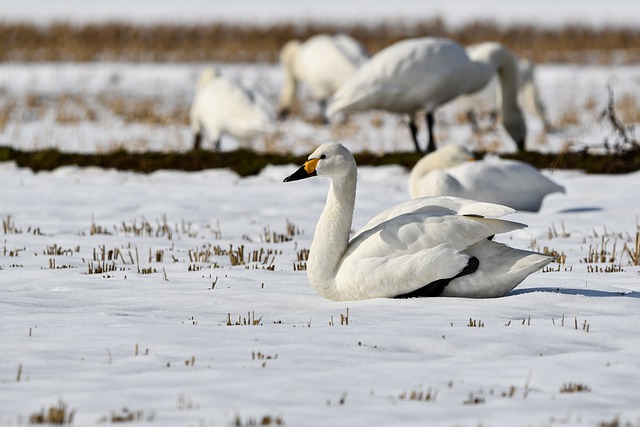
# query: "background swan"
x,y
487,100
323,63
222,106
448,172
425,73
424,247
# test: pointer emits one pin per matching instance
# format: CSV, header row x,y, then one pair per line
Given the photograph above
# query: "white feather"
x,y
222,106
447,172
323,63
410,245
423,74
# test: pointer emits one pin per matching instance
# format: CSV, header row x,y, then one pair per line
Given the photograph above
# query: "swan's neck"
x,y
331,237
428,163
423,167
289,88
490,59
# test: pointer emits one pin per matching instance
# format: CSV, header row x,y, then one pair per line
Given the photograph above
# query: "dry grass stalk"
x,y
222,42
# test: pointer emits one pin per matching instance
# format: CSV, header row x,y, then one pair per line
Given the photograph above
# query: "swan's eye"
x,y
323,156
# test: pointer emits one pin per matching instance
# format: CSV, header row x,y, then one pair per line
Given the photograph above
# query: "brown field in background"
x,y
241,43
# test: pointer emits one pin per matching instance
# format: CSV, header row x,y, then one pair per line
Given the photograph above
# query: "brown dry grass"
x,y
242,43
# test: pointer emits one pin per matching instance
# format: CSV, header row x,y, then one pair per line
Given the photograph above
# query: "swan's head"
x,y
450,155
330,159
514,124
208,75
288,52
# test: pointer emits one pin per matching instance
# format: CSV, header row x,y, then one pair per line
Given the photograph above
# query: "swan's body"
x,y
447,172
222,106
423,74
488,99
323,63
423,247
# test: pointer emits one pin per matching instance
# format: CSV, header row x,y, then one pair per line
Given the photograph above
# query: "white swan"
x,y
222,106
424,247
323,63
448,172
422,74
487,99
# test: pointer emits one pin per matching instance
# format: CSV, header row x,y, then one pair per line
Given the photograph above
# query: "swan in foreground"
x,y
425,73
323,63
222,106
424,247
448,172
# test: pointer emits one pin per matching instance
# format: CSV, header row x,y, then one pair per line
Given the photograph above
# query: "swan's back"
x,y
324,62
506,182
407,76
437,234
224,106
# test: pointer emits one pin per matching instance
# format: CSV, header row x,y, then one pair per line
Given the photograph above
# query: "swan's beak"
x,y
306,171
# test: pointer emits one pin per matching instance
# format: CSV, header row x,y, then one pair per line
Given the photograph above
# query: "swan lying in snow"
x,y
448,172
425,73
424,247
323,63
222,106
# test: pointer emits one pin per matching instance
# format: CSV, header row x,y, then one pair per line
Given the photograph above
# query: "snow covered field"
x,y
180,299
96,107
151,332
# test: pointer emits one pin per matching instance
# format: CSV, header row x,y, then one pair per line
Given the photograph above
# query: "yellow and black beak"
x,y
306,171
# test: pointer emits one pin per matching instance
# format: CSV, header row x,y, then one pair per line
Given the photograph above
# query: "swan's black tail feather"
x,y
436,288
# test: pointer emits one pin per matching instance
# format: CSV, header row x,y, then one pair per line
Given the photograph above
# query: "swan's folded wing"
x,y
388,277
438,206
413,250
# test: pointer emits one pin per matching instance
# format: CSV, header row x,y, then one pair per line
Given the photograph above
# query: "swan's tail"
x,y
501,269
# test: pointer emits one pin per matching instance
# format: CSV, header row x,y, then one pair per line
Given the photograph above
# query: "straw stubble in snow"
x,y
185,327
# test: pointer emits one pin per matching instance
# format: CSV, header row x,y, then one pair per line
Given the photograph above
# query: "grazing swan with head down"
x,y
424,247
448,172
323,63
425,73
488,99
222,106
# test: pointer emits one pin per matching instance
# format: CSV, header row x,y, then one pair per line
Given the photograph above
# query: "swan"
x,y
425,73
424,247
488,98
448,172
323,63
222,106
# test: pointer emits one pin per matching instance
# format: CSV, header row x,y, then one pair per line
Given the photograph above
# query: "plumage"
x,y
322,63
488,99
222,106
448,172
422,74
420,243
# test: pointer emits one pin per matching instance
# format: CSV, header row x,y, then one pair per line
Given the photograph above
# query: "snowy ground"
x,y
152,336
95,107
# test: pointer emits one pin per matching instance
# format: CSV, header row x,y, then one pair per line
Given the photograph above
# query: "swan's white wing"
x,y
325,62
407,76
411,250
351,49
438,206
507,182
226,106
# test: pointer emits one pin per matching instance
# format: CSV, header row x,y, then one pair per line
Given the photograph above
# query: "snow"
x,y
151,335
546,12
565,90
75,334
